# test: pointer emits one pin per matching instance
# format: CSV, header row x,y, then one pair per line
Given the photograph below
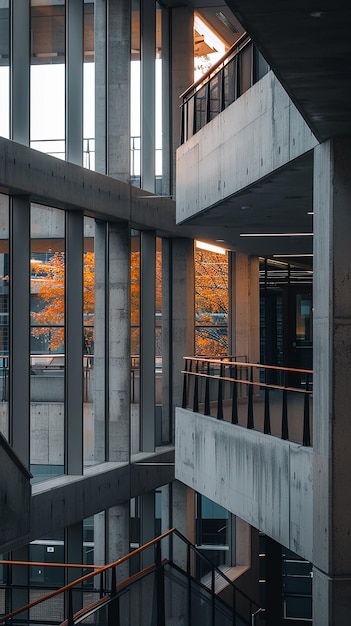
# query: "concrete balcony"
x,y
258,134
264,480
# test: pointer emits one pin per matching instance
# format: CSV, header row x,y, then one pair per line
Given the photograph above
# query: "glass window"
x,y
89,87
47,78
4,70
47,357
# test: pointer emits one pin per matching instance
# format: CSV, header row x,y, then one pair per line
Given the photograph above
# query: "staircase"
x,y
164,592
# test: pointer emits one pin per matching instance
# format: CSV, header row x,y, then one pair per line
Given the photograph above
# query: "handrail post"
x,y
267,416
185,384
207,410
196,389
250,415
220,394
306,438
285,427
235,398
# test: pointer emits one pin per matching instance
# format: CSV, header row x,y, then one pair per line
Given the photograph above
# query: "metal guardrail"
x,y
217,387
108,589
241,67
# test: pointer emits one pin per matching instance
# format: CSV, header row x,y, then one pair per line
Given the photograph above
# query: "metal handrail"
x,y
243,40
199,369
100,569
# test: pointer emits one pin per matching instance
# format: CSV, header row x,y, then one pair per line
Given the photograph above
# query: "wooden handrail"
x,y
249,382
218,360
99,570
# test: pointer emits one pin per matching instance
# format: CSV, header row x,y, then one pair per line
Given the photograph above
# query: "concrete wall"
x,y
257,134
265,481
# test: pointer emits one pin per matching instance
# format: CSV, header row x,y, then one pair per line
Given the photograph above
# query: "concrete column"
x,y
244,309
182,72
147,340
148,52
100,57
112,87
20,71
147,526
119,343
100,342
74,554
274,582
183,519
183,307
19,370
332,390
167,345
74,81
74,343
118,537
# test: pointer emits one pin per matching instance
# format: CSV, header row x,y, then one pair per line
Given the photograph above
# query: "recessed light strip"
x,y
276,234
294,256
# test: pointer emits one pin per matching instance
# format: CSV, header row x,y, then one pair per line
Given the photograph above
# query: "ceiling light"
x,y
317,13
293,256
276,234
208,246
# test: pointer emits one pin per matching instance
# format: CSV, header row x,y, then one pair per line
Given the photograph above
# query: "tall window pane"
x,y
47,341
47,99
4,70
89,87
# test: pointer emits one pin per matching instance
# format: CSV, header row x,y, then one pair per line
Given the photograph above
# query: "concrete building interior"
x,y
175,312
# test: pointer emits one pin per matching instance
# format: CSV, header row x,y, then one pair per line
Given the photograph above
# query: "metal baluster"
x,y
285,428
250,415
196,389
207,391
220,394
235,398
306,439
185,384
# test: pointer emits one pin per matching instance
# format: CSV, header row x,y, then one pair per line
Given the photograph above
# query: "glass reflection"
x,y
47,78
47,342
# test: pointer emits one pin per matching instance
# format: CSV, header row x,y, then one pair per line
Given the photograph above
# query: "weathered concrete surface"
x,y
259,133
263,480
66,500
15,493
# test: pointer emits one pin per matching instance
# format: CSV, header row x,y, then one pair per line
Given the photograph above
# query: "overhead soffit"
x,y
308,46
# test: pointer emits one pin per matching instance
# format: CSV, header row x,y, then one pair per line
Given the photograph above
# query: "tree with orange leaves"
x,y
48,284
211,300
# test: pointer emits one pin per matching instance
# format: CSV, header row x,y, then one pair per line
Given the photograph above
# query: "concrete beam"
x,y
65,500
64,185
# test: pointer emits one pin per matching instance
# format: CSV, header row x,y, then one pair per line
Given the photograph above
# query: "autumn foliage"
x,y
211,300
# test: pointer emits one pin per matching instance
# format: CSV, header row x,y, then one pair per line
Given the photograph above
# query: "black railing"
x,y
243,394
170,556
227,80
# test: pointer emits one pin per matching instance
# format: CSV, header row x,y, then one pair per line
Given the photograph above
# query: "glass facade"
x,y
48,77
4,69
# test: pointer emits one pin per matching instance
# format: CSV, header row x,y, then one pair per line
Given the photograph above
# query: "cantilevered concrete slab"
x,y
263,480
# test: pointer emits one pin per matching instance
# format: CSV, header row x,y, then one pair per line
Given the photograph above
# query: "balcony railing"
x,y
227,80
275,400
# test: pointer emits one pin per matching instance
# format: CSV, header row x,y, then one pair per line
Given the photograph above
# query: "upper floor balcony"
x,y
244,440
244,144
